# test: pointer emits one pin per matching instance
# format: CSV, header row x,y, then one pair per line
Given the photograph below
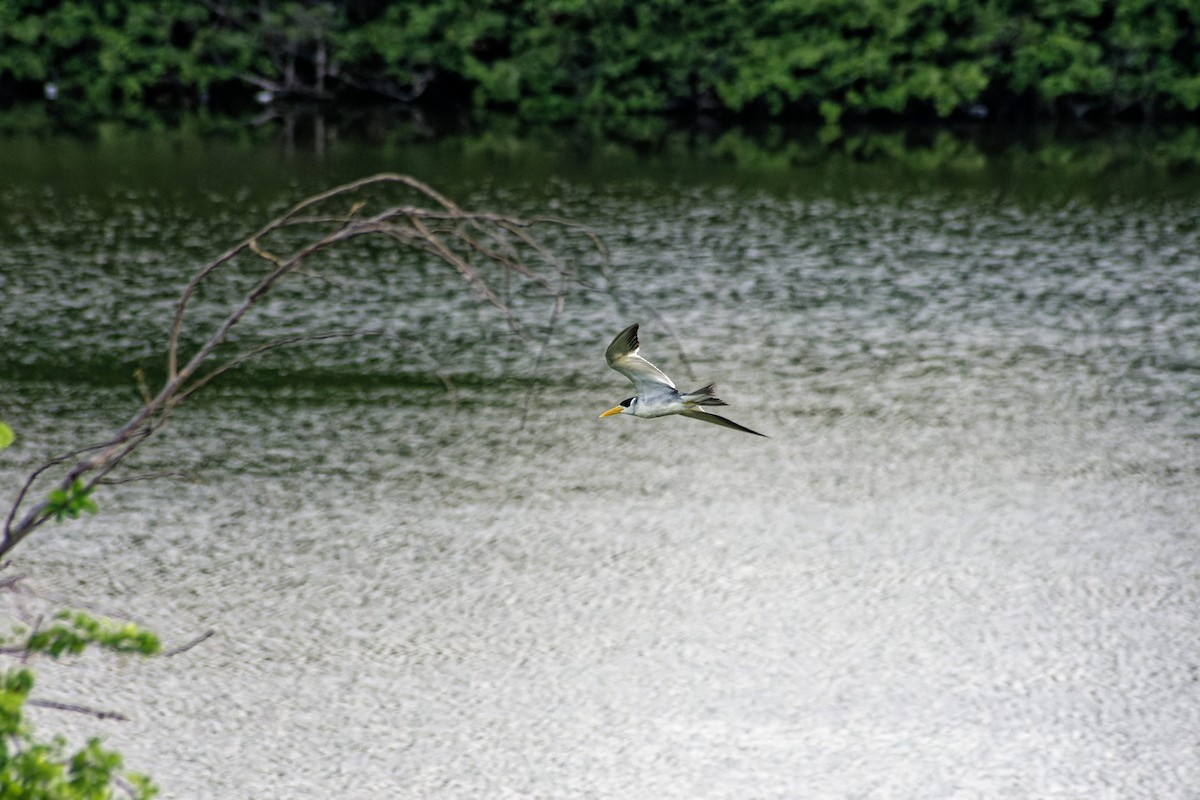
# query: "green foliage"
x,y
71,502
566,59
75,632
49,770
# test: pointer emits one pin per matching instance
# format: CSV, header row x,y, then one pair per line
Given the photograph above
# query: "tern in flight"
x,y
656,393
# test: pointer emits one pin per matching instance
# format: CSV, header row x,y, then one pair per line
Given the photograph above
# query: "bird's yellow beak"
x,y
611,411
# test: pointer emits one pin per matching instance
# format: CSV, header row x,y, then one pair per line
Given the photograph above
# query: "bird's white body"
x,y
666,401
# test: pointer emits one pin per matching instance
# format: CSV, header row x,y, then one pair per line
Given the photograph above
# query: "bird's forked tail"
x,y
704,397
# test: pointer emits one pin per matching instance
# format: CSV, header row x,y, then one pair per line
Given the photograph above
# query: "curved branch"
x,y
464,240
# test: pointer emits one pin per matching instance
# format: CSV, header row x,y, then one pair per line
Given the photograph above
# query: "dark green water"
x,y
963,565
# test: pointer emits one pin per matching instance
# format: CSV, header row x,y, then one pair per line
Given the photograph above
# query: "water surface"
x,y
964,565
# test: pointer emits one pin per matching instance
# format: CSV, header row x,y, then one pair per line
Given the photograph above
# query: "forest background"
x,y
827,61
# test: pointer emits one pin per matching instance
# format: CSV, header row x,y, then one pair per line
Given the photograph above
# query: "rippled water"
x,y
964,565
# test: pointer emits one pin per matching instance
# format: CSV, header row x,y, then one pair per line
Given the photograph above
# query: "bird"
x,y
656,393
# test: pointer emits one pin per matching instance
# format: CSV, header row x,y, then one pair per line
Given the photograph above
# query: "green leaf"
x,y
6,436
71,503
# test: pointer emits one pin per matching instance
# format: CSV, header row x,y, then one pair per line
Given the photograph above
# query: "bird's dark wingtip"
x,y
630,336
625,342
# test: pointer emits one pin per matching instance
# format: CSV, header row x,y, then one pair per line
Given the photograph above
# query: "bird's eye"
x,y
627,403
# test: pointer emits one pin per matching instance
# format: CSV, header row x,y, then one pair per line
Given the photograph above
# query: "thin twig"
x,y
183,648
262,348
146,476
91,712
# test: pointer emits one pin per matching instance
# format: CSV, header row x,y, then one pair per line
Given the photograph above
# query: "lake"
x,y
963,565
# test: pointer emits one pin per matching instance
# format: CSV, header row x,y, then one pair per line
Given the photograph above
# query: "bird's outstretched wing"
x,y
622,355
704,416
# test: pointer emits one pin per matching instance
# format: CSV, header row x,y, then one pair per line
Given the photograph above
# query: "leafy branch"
x,y
480,246
30,767
75,631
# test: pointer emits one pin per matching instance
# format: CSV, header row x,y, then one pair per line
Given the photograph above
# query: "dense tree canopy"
x,y
565,59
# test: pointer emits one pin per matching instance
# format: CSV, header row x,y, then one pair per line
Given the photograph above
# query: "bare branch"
x,y
91,712
469,242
